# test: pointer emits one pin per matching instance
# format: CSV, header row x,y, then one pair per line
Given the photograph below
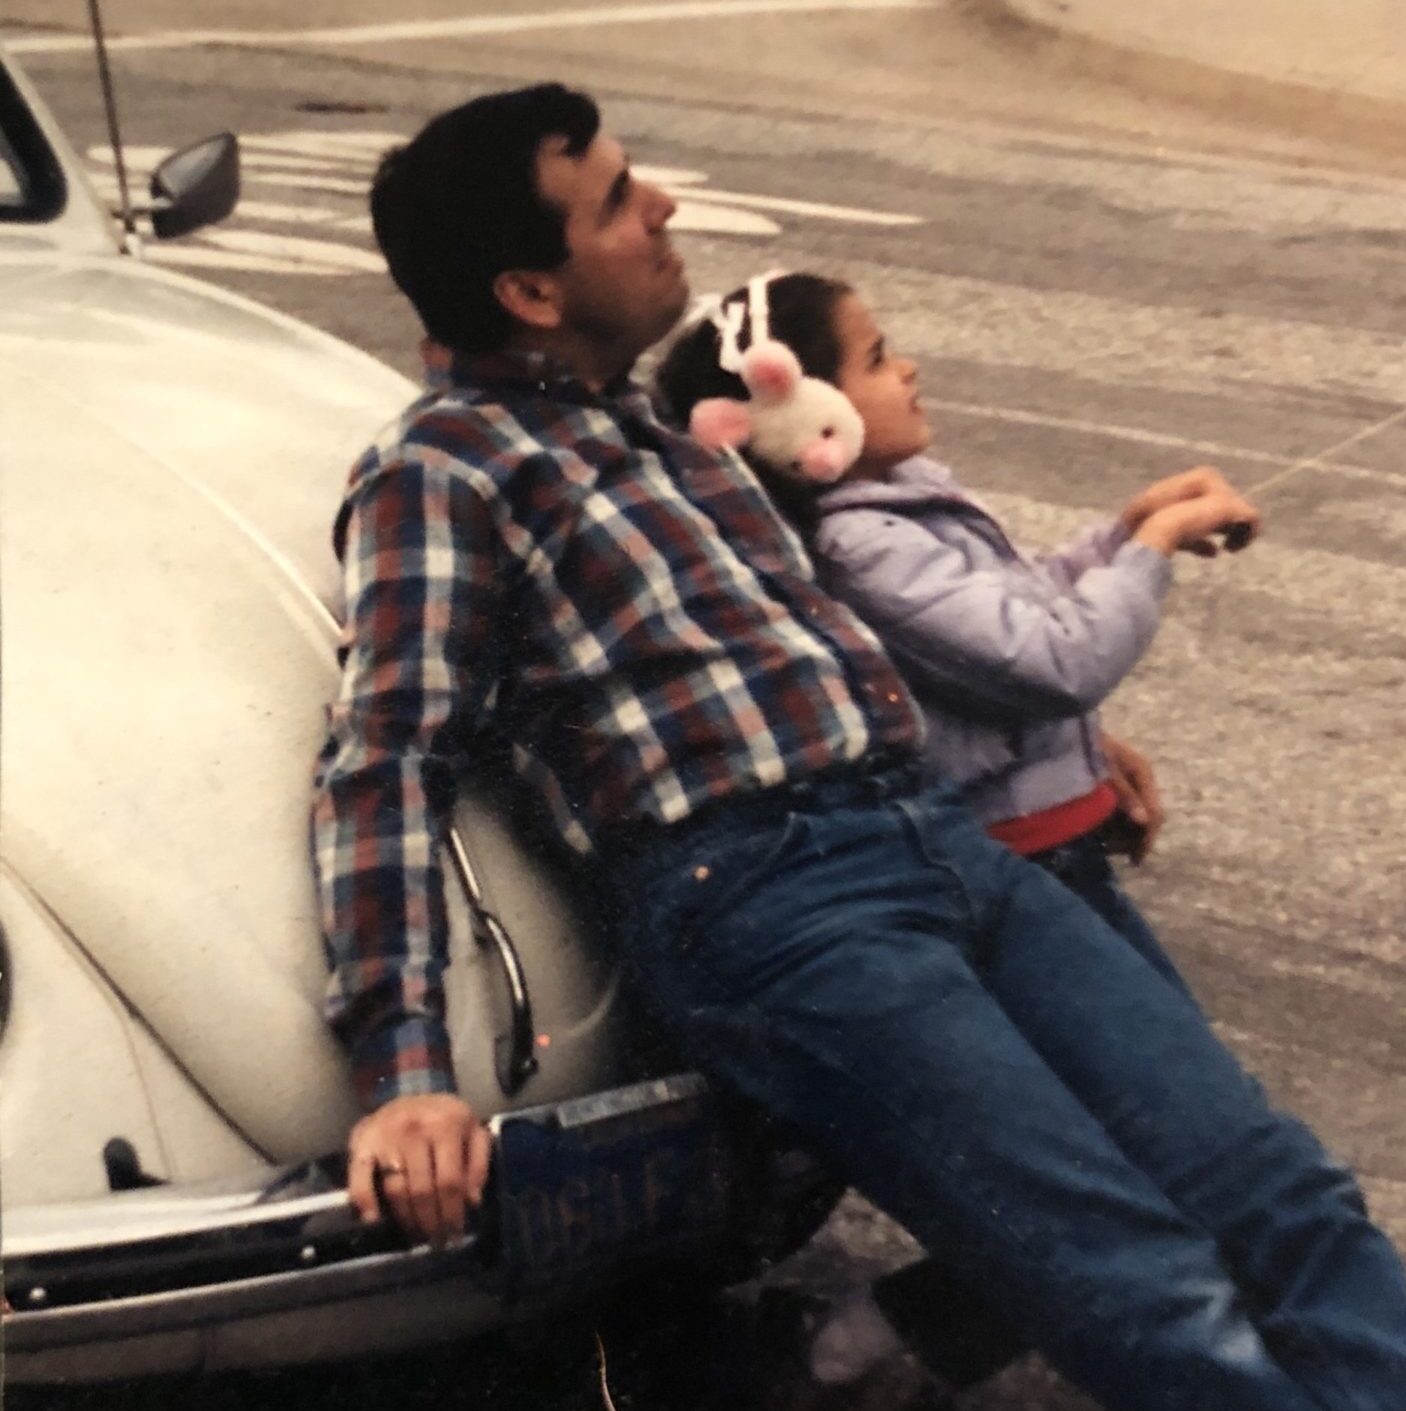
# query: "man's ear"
x,y
530,296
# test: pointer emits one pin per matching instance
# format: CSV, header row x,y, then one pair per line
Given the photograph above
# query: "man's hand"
x,y
1139,798
1171,490
432,1154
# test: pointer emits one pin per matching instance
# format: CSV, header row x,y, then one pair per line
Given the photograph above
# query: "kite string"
x,y
1210,623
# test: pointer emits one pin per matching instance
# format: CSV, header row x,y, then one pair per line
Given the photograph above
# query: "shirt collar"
x,y
520,370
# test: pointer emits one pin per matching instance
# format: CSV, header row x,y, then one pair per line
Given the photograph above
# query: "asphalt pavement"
x,y
1100,286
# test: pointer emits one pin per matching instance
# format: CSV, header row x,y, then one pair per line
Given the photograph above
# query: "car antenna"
x,y
131,240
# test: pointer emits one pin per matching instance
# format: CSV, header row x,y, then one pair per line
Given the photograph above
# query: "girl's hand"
x,y
1188,485
1187,525
1139,798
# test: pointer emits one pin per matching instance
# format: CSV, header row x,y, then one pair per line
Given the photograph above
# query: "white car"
x,y
172,1108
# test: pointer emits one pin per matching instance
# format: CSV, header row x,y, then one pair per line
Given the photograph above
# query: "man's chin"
x,y
676,309
681,297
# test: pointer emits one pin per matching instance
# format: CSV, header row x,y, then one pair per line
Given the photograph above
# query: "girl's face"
x,y
883,388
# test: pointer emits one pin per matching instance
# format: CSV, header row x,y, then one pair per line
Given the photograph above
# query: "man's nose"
x,y
661,207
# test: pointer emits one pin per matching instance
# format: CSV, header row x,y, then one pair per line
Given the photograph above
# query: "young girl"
x,y
1010,654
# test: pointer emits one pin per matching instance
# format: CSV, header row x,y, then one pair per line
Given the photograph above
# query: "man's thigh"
x,y
1144,1062
830,971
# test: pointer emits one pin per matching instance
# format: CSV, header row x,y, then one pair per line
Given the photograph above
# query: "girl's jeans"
x,y
984,1058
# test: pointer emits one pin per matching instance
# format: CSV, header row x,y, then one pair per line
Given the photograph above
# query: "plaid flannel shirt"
x,y
527,560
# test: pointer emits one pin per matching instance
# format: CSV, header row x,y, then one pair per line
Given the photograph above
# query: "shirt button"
x,y
893,697
702,872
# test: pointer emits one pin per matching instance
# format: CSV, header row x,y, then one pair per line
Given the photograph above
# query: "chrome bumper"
x,y
188,1263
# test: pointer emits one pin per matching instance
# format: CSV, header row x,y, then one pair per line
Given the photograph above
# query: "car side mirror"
x,y
196,186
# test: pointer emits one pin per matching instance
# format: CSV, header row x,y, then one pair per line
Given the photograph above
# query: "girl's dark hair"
x,y
459,204
800,314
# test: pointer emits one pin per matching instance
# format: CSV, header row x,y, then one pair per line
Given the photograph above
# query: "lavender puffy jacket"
x,y
1009,654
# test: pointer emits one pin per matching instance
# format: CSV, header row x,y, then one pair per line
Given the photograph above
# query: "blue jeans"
x,y
1083,867
955,1328
985,1059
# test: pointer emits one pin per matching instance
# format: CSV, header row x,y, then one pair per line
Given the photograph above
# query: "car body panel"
x,y
43,1116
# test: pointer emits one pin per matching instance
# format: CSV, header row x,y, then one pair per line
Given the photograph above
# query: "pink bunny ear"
x,y
719,421
770,370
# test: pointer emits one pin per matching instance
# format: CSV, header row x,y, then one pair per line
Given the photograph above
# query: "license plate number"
x,y
635,1186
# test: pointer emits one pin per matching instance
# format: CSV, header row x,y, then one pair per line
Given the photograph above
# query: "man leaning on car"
x,y
534,554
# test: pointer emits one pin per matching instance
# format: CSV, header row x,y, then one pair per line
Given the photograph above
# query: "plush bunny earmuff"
x,y
799,426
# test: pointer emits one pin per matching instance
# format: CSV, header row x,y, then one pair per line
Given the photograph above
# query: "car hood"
x,y
171,460
260,414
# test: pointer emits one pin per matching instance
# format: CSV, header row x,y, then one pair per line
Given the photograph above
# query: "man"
x,y
532,553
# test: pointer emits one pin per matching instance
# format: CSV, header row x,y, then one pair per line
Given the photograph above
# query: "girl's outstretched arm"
x,y
979,635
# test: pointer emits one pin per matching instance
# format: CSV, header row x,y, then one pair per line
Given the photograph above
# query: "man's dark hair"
x,y
459,204
800,314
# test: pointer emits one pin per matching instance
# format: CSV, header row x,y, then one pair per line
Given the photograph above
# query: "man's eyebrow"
x,y
876,347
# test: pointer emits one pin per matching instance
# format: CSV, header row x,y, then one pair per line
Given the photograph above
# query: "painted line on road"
x,y
1320,458
1213,449
250,158
299,161
461,28
706,219
309,181
799,208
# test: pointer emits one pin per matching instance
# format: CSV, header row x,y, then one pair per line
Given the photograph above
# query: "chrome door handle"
x,y
514,1052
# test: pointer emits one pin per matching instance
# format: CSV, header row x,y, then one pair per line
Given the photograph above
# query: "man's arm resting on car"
x,y
419,564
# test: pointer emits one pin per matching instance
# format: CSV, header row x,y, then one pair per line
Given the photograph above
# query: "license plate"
x,y
634,1175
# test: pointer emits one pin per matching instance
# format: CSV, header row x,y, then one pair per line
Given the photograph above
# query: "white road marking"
x,y
286,161
461,28
309,181
714,220
279,214
806,208
340,164
670,176
334,146
272,211
1214,450
249,157
1319,458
